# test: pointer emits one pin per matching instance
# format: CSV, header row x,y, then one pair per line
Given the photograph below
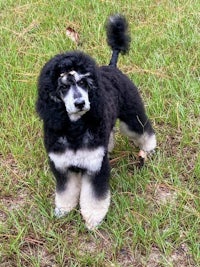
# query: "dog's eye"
x,y
82,83
62,91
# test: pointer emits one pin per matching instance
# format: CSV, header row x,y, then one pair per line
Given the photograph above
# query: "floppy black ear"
x,y
49,107
52,113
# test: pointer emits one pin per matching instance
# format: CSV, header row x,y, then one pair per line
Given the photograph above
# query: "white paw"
x,y
63,210
148,142
94,211
60,212
93,218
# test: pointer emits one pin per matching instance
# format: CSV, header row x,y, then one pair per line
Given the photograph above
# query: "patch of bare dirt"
x,y
186,155
154,258
46,259
12,203
180,257
10,164
89,244
29,251
161,193
126,258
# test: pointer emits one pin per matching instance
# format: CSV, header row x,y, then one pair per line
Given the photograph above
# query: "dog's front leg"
x,y
68,186
95,195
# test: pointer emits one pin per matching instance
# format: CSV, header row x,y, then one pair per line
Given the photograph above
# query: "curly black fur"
x,y
117,33
111,94
117,37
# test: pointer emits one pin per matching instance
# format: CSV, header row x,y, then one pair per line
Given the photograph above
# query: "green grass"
x,y
154,218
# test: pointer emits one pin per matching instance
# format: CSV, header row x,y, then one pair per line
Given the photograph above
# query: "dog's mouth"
x,y
76,114
78,108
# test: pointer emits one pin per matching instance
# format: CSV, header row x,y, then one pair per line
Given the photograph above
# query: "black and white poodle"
x,y
79,104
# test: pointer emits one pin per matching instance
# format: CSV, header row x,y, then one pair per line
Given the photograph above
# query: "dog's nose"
x,y
79,103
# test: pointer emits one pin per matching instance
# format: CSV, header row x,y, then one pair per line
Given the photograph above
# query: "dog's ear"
x,y
56,94
55,98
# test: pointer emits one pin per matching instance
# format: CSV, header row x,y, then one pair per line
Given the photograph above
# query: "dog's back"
x,y
130,107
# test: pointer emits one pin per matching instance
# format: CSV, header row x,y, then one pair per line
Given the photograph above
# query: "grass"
x,y
154,218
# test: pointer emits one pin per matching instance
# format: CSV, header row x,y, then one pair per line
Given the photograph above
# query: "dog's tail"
x,y
117,37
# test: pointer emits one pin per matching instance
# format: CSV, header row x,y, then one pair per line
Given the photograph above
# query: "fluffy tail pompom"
x,y
117,36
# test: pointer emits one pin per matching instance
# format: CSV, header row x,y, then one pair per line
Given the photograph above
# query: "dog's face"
x,y
73,89
71,81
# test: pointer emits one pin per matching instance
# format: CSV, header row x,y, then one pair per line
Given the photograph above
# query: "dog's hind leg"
x,y
68,186
135,124
145,140
95,196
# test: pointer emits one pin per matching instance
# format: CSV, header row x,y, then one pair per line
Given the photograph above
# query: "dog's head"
x,y
73,87
70,78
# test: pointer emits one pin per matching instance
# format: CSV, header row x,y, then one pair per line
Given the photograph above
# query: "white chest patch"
x,y
90,159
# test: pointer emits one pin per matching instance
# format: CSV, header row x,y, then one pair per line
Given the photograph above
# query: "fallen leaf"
x,y
72,34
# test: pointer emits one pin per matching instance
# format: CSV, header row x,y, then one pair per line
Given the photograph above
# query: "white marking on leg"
x,y
93,209
111,142
145,141
90,159
66,200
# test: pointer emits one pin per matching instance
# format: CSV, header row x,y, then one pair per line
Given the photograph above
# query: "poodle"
x,y
79,103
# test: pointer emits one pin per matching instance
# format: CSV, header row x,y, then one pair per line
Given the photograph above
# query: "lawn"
x,y
154,218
